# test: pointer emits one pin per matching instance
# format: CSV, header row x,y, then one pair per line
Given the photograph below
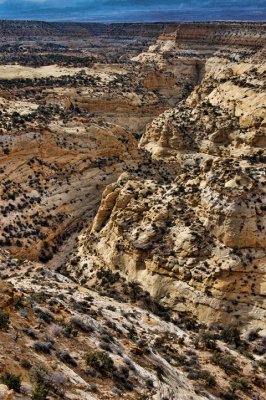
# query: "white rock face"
x,y
192,230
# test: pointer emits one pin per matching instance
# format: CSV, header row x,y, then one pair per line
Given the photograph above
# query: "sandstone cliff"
x,y
195,238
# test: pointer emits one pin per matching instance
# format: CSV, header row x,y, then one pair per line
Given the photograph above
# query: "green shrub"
x,y
39,392
135,290
245,352
206,341
18,302
262,364
240,383
11,381
227,363
231,336
39,375
208,378
39,378
101,361
4,319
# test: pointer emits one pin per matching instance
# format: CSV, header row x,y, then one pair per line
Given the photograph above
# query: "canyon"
x,y
133,210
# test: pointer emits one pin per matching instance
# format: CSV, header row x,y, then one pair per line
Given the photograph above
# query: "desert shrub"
x,y
82,325
262,364
243,350
204,375
252,335
260,347
101,361
39,374
208,378
18,302
39,392
44,381
25,389
231,336
135,290
23,313
240,383
180,359
58,379
189,323
206,341
30,332
69,330
57,382
93,387
43,347
65,357
56,330
39,377
227,363
4,319
44,315
25,364
230,396
121,377
11,381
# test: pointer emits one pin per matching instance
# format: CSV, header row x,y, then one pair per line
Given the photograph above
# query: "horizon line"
x,y
134,22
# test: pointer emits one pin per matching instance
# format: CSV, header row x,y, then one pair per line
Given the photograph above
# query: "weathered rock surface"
x,y
196,240
52,178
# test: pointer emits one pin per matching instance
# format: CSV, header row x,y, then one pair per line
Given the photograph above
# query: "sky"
x,y
133,10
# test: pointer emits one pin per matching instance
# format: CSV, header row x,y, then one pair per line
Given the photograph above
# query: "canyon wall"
x,y
186,217
191,229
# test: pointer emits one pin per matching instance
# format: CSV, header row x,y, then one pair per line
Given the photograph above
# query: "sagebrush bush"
x,y
65,357
240,383
4,319
58,379
39,377
11,381
25,389
42,347
38,374
101,361
231,336
39,392
208,378
18,302
227,363
56,330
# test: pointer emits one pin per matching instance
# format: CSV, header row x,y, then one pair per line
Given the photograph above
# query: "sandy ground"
x,y
23,107
19,71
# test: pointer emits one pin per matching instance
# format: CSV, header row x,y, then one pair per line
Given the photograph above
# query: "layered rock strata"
x,y
196,240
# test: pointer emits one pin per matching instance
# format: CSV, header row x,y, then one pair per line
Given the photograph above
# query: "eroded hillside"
x,y
133,211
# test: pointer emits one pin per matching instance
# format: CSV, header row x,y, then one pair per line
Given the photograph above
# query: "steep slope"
x,y
195,238
50,182
114,342
58,332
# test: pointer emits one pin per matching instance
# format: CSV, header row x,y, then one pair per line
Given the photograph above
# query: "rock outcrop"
x,y
191,231
52,179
